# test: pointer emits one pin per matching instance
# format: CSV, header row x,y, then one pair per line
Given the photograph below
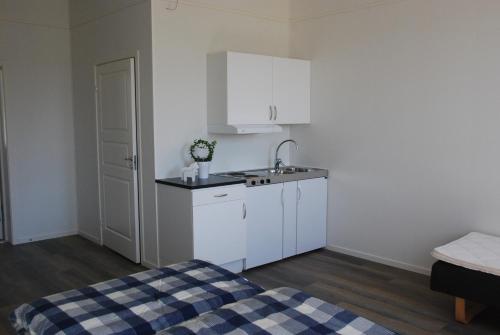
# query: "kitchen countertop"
x,y
211,181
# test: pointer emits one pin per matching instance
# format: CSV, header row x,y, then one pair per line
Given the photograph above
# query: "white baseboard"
x,y
90,237
35,238
382,260
97,240
149,264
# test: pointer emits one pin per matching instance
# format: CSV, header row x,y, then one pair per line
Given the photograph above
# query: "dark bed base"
x,y
469,287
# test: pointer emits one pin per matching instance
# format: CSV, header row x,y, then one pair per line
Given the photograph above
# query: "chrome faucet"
x,y
277,161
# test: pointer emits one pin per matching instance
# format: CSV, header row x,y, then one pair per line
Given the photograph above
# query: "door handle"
x,y
133,162
282,199
244,211
270,112
299,193
275,113
220,195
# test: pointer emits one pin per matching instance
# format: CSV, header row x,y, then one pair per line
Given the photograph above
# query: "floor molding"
x,y
149,264
232,10
39,25
103,15
35,238
381,260
344,10
89,237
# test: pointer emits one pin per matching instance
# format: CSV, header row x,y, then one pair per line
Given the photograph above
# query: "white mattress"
x,y
474,251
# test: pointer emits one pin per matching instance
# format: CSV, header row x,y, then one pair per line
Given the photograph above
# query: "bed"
x,y
193,297
469,270
142,303
279,311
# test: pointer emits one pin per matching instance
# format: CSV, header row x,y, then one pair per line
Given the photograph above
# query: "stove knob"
x,y
268,181
262,181
253,182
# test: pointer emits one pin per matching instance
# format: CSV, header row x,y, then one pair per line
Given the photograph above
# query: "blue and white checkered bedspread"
x,y
142,303
279,311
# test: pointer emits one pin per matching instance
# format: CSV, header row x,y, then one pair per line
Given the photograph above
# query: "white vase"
x,y
203,170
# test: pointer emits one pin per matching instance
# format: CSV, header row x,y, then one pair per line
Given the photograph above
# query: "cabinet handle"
x,y
282,200
244,211
220,195
299,191
270,112
275,113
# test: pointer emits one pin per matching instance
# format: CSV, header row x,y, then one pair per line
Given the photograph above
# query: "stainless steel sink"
x,y
290,170
294,169
280,171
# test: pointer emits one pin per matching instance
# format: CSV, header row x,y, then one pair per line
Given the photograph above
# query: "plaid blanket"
x,y
142,303
280,311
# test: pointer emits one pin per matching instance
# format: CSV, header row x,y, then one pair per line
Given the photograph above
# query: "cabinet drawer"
x,y
218,194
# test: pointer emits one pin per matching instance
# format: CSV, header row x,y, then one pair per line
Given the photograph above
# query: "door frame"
x,y
4,175
138,151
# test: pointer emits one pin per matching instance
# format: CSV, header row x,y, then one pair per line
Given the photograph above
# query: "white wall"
x,y
104,31
47,13
86,11
181,41
405,100
35,56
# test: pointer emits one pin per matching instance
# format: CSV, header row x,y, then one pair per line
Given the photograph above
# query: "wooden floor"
x,y
397,299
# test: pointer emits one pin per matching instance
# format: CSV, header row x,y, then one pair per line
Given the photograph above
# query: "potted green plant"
x,y
202,152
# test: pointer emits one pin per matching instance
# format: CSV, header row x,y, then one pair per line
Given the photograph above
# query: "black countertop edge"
x,y
211,181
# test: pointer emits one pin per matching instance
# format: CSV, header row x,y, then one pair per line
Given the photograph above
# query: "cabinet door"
x,y
311,214
249,88
264,225
291,90
289,200
219,232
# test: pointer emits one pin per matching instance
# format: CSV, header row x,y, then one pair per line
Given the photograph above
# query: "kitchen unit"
x,y
204,219
250,93
298,223
286,212
241,220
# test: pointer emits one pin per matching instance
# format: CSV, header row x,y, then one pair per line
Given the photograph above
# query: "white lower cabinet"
x,y
235,226
219,232
285,220
264,225
289,219
311,214
207,224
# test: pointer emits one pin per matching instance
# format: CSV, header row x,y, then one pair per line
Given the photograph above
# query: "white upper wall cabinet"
x,y
291,90
249,89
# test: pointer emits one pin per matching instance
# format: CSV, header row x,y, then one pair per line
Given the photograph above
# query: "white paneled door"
x,y
3,175
115,88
